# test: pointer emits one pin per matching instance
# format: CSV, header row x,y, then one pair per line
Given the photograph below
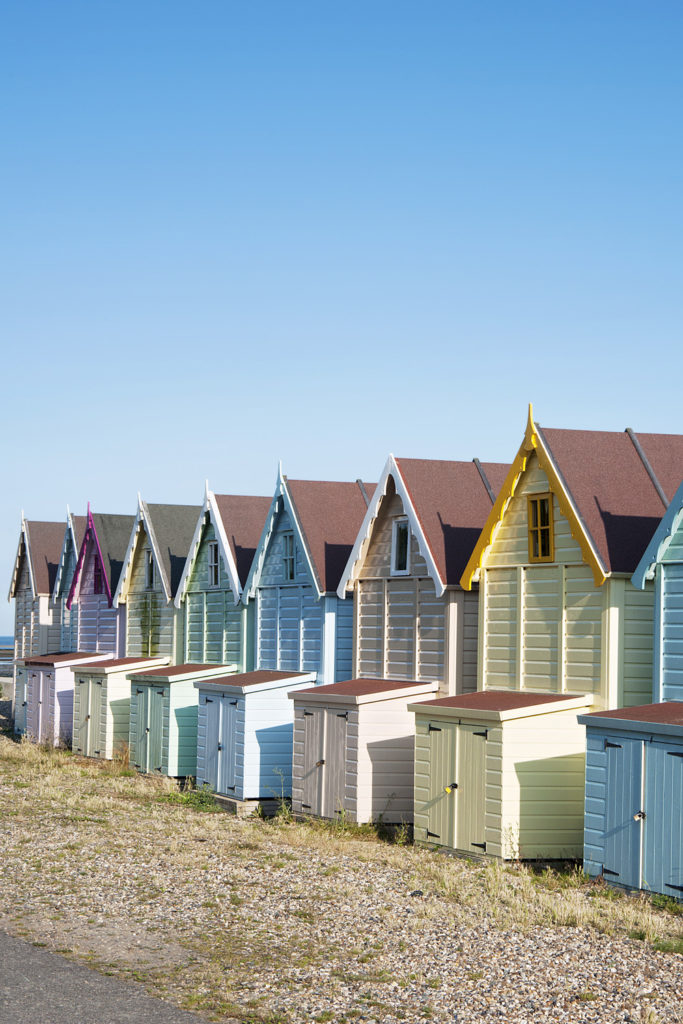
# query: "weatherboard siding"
x,y
671,631
214,625
154,626
637,657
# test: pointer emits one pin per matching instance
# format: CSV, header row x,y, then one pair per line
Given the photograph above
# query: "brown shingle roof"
x,y
45,542
330,514
362,687
243,517
452,504
668,713
496,700
173,527
613,493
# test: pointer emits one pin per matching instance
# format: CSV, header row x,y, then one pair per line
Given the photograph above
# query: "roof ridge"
x,y
646,463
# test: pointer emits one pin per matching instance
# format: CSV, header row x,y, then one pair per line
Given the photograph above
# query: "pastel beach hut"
x,y
153,564
50,695
36,618
68,615
217,626
557,610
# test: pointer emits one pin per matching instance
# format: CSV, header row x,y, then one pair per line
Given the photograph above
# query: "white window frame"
x,y
288,557
213,569
150,570
398,524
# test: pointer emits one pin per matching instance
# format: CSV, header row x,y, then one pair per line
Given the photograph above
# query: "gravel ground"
x,y
245,920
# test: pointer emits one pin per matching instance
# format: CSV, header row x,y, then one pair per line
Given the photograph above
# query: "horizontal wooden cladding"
x,y
542,629
671,629
377,560
401,629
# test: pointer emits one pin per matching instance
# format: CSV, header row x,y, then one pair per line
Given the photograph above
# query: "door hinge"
x,y
306,806
139,691
617,746
434,835
343,714
161,692
608,871
97,751
675,753
233,703
485,734
208,700
310,714
480,846
433,728
670,885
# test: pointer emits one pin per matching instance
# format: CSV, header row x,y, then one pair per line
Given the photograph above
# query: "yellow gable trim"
x,y
530,444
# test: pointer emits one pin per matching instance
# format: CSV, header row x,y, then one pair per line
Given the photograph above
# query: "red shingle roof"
x,y
611,488
45,543
668,713
243,517
452,505
496,700
330,514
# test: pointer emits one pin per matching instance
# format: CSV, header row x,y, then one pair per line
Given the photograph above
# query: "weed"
x,y
586,997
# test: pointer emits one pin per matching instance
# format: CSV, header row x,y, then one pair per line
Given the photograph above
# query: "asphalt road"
x,y
38,987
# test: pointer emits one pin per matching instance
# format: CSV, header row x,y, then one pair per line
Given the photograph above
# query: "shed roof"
x,y
257,678
64,657
612,486
667,713
329,515
497,700
243,517
361,687
169,671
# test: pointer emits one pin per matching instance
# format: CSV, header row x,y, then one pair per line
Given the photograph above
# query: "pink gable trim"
x,y
90,531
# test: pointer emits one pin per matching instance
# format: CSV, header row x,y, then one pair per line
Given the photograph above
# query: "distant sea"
x,y
6,641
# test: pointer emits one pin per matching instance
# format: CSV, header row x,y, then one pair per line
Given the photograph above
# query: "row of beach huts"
x,y
493,653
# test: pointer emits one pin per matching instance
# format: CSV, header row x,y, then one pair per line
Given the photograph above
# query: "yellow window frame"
x,y
541,532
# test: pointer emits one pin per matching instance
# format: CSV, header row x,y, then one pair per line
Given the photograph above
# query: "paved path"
x,y
37,987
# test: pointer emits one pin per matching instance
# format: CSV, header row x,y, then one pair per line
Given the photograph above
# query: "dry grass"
x,y
97,853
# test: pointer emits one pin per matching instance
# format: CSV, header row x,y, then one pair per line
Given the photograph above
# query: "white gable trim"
x,y
669,525
210,505
357,557
68,532
23,538
281,491
142,519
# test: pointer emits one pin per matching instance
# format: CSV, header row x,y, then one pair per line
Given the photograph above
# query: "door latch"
x,y
450,787
639,816
320,763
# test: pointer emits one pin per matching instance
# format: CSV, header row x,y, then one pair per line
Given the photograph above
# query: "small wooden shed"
x,y
634,797
501,773
102,705
353,749
244,733
50,695
163,718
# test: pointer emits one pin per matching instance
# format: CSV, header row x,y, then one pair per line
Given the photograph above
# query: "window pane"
x,y
534,513
544,511
545,543
401,557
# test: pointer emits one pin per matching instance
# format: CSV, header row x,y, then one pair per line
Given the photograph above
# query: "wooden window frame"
x,y
288,557
536,532
398,525
213,570
150,570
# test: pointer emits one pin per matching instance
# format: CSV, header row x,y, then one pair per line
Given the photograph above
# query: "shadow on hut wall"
x,y
550,811
391,778
275,745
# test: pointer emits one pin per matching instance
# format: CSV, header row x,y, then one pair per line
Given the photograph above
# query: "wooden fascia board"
x,y
149,529
15,574
356,559
661,539
191,554
257,562
291,508
124,579
68,533
415,690
531,443
273,684
226,550
105,574
510,714
357,556
79,561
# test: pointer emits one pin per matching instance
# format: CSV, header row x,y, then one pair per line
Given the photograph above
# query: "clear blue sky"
x,y
234,233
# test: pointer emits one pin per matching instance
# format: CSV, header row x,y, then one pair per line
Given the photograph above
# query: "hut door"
x,y
470,828
442,793
663,825
20,700
314,757
212,708
158,697
140,731
94,723
81,725
33,705
227,745
334,768
624,806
